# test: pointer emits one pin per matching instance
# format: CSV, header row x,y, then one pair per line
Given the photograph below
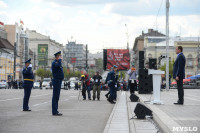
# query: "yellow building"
x,y
155,47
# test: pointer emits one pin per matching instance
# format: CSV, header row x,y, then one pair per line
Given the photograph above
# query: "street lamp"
x,y
127,36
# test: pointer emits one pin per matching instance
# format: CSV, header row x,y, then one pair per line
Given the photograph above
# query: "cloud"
x,y
147,7
83,2
3,4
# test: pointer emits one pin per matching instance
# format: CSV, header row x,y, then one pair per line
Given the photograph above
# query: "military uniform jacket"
x,y
112,79
28,77
57,69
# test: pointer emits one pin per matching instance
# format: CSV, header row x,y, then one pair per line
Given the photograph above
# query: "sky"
x,y
102,23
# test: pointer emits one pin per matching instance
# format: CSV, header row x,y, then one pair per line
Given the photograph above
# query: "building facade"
x,y
139,45
43,48
155,47
76,55
19,39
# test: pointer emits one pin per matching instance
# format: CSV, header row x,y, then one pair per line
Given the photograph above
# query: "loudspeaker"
x,y
152,64
134,98
141,59
105,59
145,82
141,111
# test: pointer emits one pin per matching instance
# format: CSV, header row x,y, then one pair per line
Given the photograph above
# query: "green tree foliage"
x,y
43,73
163,68
122,74
68,73
99,64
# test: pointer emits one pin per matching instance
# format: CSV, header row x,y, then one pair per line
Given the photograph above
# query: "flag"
x,y
21,22
1,23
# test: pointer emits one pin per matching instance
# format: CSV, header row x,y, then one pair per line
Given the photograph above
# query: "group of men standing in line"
x,y
111,80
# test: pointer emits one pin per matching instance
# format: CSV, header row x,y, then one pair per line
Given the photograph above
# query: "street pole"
x,y
86,58
167,45
127,36
14,70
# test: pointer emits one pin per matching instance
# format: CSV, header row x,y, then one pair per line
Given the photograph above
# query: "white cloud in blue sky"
x,y
101,23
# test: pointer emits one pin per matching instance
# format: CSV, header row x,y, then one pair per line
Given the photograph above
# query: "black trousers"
x,y
133,87
180,90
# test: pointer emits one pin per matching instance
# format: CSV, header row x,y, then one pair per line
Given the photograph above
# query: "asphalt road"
x,y
78,116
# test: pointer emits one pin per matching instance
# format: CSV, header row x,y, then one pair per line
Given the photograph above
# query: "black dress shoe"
x,y
106,95
26,110
178,103
59,114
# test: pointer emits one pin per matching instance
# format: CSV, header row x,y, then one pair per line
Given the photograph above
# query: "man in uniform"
x,y
58,76
112,83
28,83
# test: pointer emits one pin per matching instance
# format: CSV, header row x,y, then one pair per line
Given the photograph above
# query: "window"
x,y
149,55
189,60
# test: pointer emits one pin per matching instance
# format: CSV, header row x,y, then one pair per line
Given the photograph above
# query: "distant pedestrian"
x,y
58,76
76,85
87,83
179,73
65,85
28,83
132,80
97,86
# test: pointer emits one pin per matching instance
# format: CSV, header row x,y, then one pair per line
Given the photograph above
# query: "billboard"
x,y
119,57
42,54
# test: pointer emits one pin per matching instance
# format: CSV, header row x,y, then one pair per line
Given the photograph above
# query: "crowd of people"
x,y
14,84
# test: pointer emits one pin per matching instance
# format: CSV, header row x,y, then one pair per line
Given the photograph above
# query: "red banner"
x,y
119,57
73,60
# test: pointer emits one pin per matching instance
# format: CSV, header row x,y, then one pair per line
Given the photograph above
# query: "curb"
x,y
162,126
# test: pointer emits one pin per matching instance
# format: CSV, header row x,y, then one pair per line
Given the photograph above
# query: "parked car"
x,y
36,85
46,83
3,85
62,85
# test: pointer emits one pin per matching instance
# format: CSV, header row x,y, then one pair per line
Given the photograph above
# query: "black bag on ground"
x,y
141,111
134,98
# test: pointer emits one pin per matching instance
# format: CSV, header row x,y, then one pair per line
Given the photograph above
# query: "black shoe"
x,y
106,95
26,110
112,102
93,99
179,103
98,99
59,114
89,98
84,98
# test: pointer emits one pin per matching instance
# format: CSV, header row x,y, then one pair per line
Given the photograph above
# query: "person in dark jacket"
x,y
86,86
58,76
112,83
97,87
179,73
28,83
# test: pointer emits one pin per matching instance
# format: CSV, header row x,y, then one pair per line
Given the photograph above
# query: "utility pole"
x,y
15,54
127,36
167,45
86,58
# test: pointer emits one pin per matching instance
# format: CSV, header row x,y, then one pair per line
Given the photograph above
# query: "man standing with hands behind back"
x,y
179,73
58,76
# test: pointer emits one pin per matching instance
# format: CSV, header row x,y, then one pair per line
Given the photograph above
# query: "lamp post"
x,y
127,36
167,44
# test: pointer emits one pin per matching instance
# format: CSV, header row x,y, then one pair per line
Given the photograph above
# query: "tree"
x,y
99,64
171,64
43,73
40,72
